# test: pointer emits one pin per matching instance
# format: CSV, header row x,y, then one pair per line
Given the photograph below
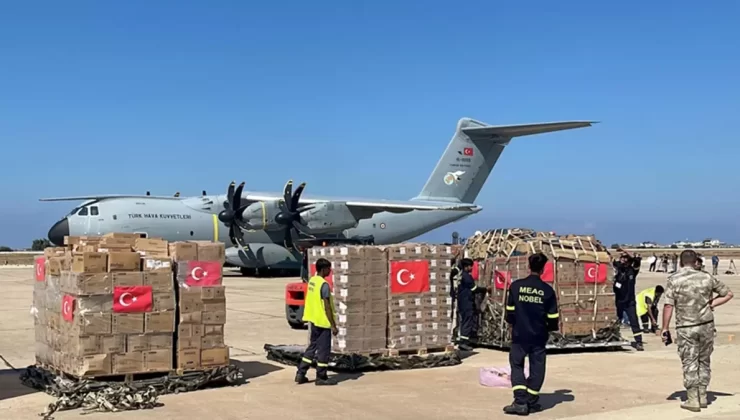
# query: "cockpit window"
x,y
94,211
74,211
83,212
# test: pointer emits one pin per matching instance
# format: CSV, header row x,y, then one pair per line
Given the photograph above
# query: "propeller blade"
x,y
237,201
283,207
288,191
301,228
294,237
230,193
297,197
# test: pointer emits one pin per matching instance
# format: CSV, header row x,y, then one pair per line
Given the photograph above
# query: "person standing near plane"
x,y
627,268
532,312
715,264
319,313
691,293
466,290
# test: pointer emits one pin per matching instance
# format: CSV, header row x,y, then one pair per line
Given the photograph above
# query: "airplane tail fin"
x,y
471,155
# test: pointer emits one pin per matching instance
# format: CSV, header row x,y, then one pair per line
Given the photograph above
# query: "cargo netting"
x,y
578,269
291,355
102,396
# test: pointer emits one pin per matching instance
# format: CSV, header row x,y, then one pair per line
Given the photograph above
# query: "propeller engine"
x,y
283,214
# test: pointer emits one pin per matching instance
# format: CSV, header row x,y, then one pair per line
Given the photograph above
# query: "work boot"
x,y
325,382
534,405
300,379
464,347
638,346
703,397
692,400
517,409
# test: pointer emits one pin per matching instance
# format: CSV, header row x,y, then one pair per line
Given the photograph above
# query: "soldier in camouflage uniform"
x,y
692,293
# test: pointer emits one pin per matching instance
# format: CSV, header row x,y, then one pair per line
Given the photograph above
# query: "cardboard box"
x,y
188,358
131,362
161,281
124,261
211,251
158,360
159,322
157,264
152,247
214,357
89,262
183,251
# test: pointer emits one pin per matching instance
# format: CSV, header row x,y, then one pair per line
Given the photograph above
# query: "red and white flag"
x,y
132,299
329,279
468,151
501,279
595,273
409,276
203,274
68,308
476,271
40,266
548,275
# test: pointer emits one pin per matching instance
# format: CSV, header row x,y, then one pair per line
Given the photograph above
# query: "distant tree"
x,y
674,246
4,248
614,246
40,244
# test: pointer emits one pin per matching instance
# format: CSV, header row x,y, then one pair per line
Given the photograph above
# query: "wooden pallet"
x,y
124,377
419,352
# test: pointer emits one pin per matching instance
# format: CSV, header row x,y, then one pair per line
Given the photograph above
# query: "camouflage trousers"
x,y
695,347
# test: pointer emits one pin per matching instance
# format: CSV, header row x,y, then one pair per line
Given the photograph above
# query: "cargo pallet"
x,y
419,352
123,377
570,346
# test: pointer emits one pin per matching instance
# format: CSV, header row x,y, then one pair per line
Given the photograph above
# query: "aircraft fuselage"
x,y
193,218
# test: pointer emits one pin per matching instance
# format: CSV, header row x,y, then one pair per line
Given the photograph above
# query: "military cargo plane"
x,y
269,229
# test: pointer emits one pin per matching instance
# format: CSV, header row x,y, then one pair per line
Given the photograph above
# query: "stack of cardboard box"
x,y
420,305
394,297
109,305
100,313
359,283
202,304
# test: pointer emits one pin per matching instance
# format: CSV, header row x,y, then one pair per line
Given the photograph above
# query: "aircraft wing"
x,y
371,205
106,196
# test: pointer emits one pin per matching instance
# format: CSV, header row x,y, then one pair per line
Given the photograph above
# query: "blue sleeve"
x,y
467,281
325,292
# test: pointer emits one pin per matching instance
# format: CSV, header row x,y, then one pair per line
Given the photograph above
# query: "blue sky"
x,y
361,98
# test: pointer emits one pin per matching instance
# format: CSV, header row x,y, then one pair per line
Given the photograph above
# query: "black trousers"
x,y
631,309
466,318
645,319
318,350
527,390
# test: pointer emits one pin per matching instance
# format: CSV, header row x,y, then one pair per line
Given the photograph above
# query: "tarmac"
x,y
594,385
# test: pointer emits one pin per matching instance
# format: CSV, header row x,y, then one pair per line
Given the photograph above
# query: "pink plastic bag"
x,y
495,377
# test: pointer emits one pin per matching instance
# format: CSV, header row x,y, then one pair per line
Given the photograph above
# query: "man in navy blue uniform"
x,y
466,291
532,311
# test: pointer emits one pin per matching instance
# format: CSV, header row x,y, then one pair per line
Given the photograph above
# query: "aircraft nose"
x,y
58,232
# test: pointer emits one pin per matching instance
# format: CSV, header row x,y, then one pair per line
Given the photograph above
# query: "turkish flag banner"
x,y
595,273
501,279
476,271
409,276
203,274
468,151
329,279
132,299
40,268
548,275
68,308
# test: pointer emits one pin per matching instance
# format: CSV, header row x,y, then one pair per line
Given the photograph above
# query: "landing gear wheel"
x,y
248,272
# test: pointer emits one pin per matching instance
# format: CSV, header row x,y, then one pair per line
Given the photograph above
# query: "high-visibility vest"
x,y
313,309
642,308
